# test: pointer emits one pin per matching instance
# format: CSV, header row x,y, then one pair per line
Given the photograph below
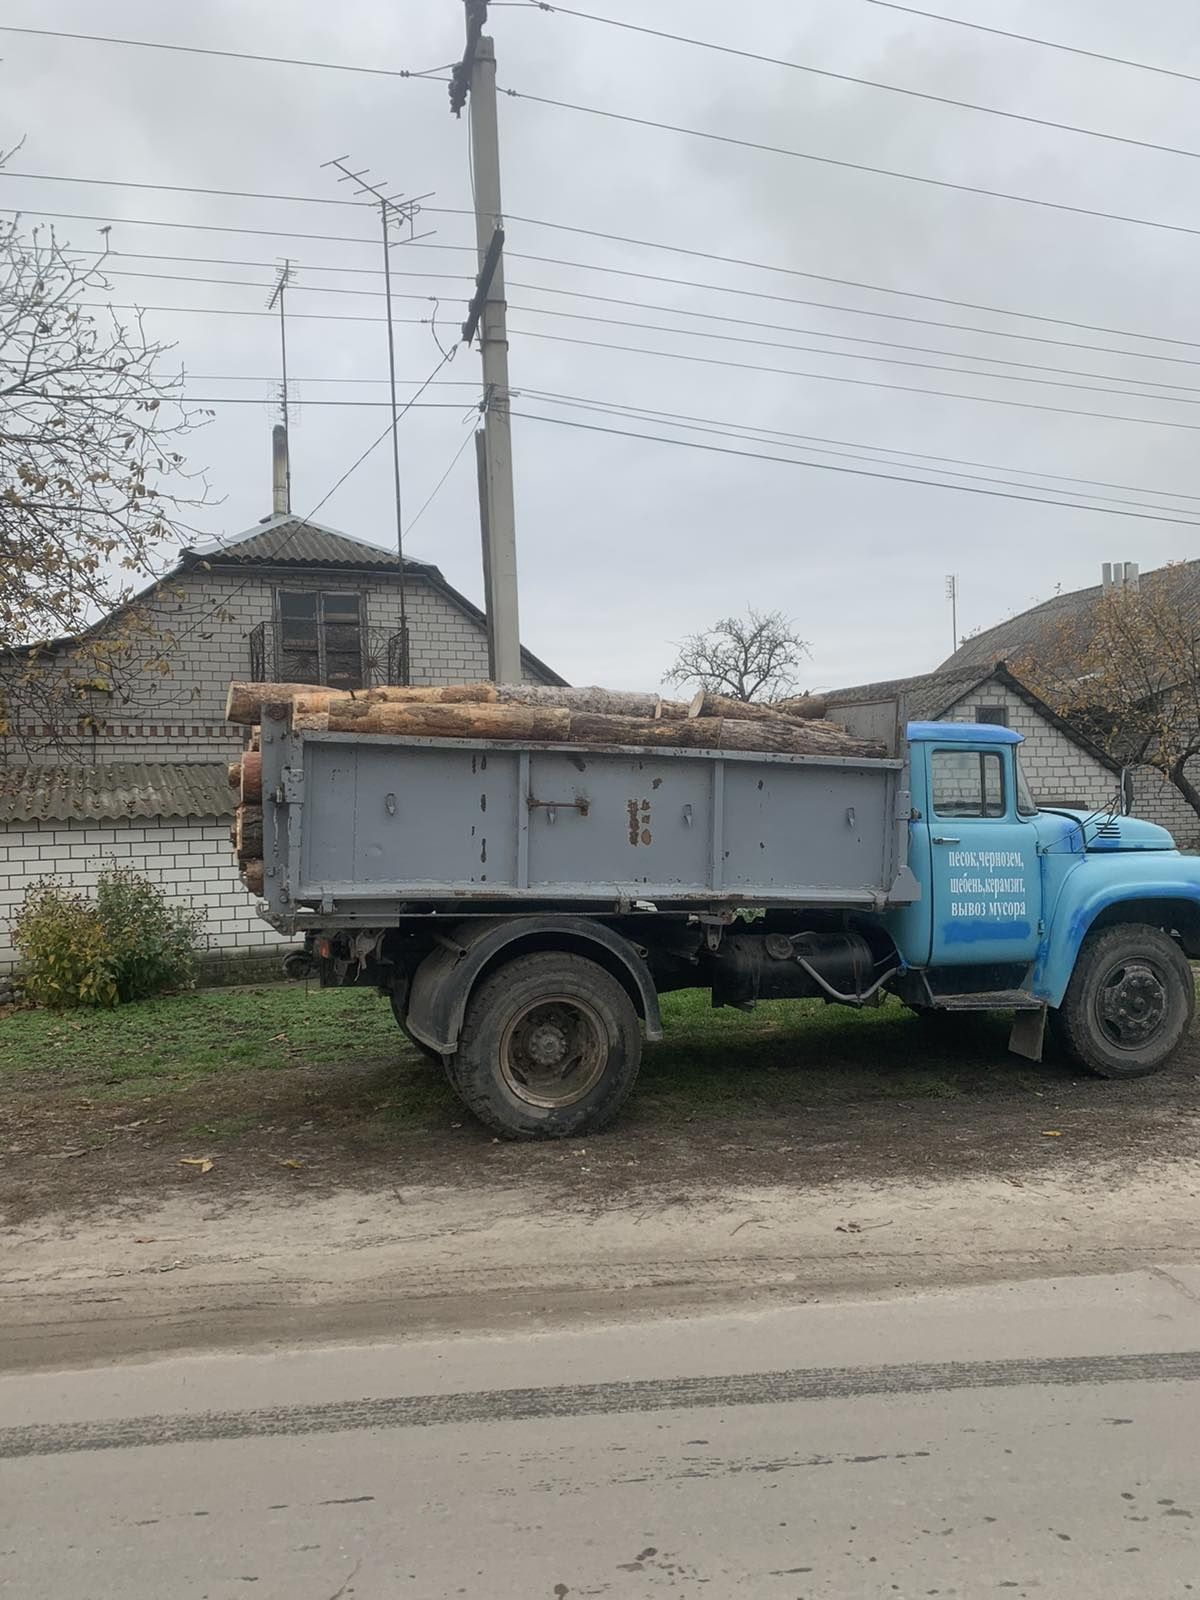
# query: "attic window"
x,y
320,638
996,715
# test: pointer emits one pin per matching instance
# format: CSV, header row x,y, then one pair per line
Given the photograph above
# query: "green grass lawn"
x,y
177,1039
710,1063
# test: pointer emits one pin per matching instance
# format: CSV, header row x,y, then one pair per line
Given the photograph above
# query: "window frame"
x,y
983,815
998,720
321,595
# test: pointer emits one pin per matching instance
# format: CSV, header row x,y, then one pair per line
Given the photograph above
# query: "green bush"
x,y
125,944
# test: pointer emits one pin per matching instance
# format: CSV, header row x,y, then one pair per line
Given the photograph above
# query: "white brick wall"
x,y
191,859
1059,771
180,716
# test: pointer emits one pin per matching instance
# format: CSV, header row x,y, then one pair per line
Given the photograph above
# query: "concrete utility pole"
x,y
476,77
952,596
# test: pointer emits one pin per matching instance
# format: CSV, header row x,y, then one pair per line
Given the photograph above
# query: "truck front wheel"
x,y
550,1047
1129,1003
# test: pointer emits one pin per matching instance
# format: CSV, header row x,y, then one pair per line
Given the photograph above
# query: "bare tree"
x,y
1127,672
91,484
752,657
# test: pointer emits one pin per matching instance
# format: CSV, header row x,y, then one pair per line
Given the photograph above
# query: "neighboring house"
x,y
1062,766
141,777
1037,635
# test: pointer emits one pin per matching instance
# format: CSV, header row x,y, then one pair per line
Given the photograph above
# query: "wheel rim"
x,y
1132,1003
554,1051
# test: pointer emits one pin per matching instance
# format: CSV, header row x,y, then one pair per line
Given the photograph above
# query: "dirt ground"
x,y
801,1156
317,1130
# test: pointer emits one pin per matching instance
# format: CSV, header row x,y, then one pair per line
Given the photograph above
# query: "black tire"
x,y
1129,1004
550,1048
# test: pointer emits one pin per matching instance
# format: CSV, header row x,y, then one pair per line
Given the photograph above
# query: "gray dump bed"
x,y
367,828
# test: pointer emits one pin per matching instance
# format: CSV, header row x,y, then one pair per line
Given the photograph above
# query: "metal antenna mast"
x,y
394,212
283,278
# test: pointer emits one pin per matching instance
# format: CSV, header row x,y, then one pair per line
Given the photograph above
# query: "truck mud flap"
x,y
1028,1033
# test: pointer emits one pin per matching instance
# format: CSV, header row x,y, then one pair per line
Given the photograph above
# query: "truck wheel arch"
x,y
469,951
1161,905
1180,917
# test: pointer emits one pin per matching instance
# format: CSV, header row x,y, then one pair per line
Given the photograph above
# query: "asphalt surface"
x,y
1033,1439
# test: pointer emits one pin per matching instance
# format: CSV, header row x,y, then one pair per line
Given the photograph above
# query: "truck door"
x,y
984,868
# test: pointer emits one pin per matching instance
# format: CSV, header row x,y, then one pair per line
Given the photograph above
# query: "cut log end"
x,y
254,876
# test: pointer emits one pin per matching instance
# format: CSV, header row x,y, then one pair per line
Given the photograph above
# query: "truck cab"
x,y
1015,899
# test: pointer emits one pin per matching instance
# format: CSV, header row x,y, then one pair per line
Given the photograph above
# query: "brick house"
x,y
140,779
1063,767
1035,634
978,684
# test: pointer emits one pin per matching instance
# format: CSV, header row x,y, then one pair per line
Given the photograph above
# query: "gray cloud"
x,y
627,545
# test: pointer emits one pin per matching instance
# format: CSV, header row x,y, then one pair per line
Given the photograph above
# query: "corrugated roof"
x,y
108,793
931,694
1040,633
928,694
292,542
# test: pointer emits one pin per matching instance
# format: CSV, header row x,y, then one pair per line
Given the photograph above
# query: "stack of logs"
x,y
523,713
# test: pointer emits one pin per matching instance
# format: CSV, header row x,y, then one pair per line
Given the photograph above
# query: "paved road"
x,y
1025,1440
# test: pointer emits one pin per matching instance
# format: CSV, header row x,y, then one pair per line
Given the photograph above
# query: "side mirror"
x,y
1126,791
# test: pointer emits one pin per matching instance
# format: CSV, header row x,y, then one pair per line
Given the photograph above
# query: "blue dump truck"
x,y
523,906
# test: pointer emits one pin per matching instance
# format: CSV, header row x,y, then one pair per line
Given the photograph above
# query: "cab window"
x,y
967,783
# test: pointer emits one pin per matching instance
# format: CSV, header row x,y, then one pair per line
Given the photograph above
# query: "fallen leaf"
x,y
149,1239
291,1163
1051,1133
203,1162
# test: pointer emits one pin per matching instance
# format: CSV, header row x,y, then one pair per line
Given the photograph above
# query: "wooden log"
x,y
255,738
706,703
248,832
251,778
441,721
245,701
614,702
254,876
795,737
233,774
806,706
670,710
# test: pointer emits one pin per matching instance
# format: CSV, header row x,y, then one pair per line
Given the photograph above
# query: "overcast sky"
x,y
624,545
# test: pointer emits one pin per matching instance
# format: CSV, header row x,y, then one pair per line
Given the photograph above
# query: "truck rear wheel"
x,y
1130,1001
550,1047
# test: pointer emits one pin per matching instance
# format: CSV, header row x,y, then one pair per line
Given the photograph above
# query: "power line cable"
x,y
892,361
429,74
857,472
674,249
228,55
842,355
823,440
187,188
846,77
851,166
1049,44
707,316
675,355
454,460
649,277
865,383
753,436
